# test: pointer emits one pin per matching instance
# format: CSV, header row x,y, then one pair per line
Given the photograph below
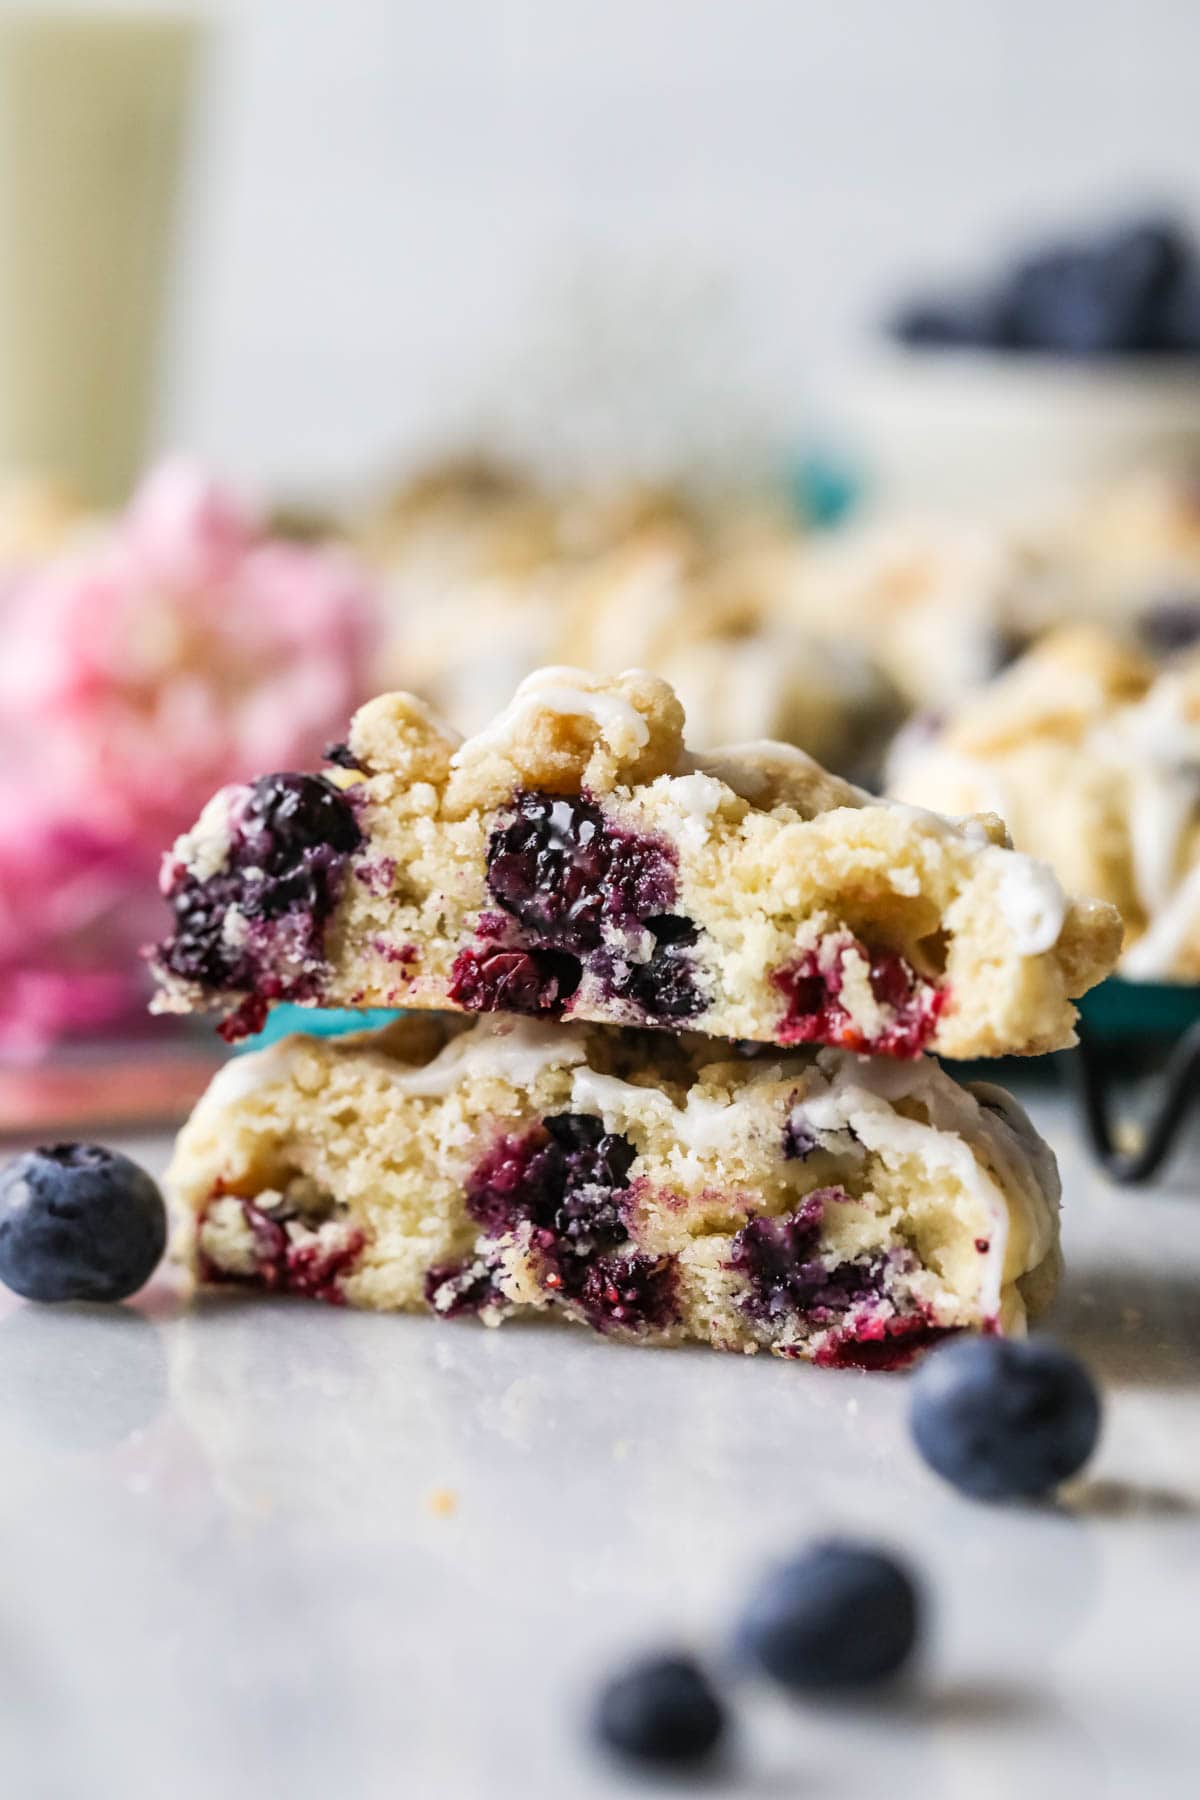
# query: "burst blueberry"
x,y
78,1222
567,1178
1005,1418
840,1616
517,980
586,893
284,872
786,1274
662,1710
548,867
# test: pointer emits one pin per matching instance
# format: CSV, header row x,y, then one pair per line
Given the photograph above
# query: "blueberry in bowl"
x,y
1005,1418
79,1222
840,1617
1077,356
1128,289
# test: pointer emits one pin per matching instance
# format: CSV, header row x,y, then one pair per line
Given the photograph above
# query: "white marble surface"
x,y
225,1571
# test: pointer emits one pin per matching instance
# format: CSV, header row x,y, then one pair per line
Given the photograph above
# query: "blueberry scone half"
x,y
574,860
656,1188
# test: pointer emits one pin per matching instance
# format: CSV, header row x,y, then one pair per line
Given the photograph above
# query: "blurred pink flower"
x,y
181,650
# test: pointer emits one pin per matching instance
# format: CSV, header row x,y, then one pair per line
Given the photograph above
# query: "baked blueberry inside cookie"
x,y
254,922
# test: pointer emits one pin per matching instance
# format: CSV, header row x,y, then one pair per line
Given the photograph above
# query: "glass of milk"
x,y
93,108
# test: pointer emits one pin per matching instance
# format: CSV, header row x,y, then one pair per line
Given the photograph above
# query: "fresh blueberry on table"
x,y
841,1617
1004,1418
661,1710
78,1222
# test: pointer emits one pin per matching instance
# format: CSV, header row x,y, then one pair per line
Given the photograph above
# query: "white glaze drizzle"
x,y
1158,744
250,1071
701,1125
739,766
1162,806
1031,900
513,1050
697,795
961,1137
554,690
1154,954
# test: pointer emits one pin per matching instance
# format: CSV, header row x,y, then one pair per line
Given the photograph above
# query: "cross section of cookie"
x,y
574,860
655,1188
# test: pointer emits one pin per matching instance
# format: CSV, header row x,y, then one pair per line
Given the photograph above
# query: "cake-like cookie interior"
x,y
656,1189
575,860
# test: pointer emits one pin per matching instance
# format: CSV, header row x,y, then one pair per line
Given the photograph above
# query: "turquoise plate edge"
x,y
315,1021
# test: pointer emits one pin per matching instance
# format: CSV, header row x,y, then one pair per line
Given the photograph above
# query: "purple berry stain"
x,y
455,1290
312,1269
579,895
493,979
813,1012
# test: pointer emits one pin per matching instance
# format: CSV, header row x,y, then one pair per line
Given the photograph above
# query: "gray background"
x,y
406,219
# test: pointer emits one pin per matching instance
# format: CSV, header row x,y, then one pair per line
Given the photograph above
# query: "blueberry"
x,y
1179,316
798,1140
939,323
1171,623
786,1275
1060,300
1140,265
661,1710
567,1179
289,814
284,874
966,321
841,1616
78,1222
1004,1418
1131,289
548,867
521,981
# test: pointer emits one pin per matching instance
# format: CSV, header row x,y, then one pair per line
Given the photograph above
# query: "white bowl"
x,y
990,433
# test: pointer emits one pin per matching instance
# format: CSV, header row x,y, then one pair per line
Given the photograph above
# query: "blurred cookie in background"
x,y
1127,551
940,604
713,625
486,575
1091,756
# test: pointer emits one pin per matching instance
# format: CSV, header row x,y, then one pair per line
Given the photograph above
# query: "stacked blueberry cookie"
x,y
662,1067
